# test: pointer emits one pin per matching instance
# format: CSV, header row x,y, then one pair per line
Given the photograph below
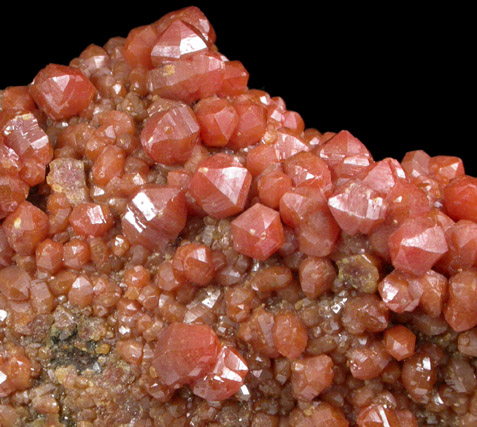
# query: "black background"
x,y
398,78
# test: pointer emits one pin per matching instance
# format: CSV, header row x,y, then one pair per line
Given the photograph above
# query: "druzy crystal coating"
x,y
177,248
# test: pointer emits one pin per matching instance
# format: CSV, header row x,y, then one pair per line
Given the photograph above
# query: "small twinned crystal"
x,y
178,249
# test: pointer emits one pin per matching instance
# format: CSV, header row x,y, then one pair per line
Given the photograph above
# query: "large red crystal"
x,y
61,91
155,216
417,245
191,15
178,40
91,219
25,228
24,135
251,126
218,120
220,185
462,240
346,155
169,136
460,198
184,353
306,210
188,79
357,208
225,378
308,170
258,232
138,45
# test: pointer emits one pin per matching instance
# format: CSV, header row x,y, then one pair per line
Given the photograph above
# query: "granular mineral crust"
x,y
178,249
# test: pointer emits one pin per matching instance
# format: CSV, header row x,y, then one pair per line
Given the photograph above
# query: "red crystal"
x,y
289,334
81,292
316,276
184,353
261,157
218,120
138,45
91,219
155,216
382,176
61,91
417,245
15,283
108,165
308,170
460,310
169,136
368,362
306,210
418,375
298,204
239,303
445,168
288,143
345,155
310,376
434,292
94,58
357,208
251,126
191,15
416,163
460,197
399,342
365,312
9,161
17,98
257,331
76,253
25,228
24,135
375,415
293,120
235,79
208,189
15,371
225,378
462,254
49,256
271,186
258,232
13,192
400,291
405,201
178,40
193,262
188,79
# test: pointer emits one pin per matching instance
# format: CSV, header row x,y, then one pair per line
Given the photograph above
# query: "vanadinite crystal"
x,y
179,249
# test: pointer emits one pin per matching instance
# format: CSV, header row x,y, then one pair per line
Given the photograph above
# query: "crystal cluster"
x,y
177,248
